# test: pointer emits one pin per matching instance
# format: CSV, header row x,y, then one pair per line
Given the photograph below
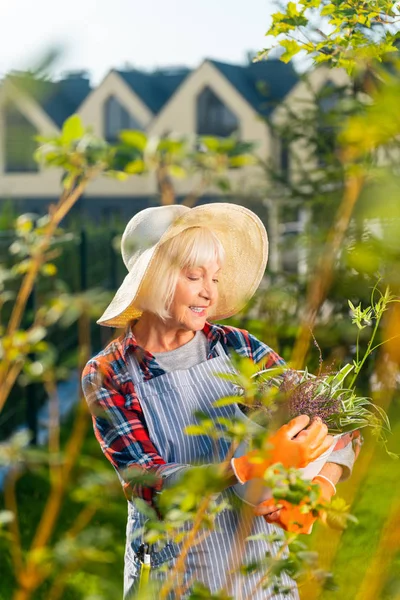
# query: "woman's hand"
x,y
292,445
295,446
290,516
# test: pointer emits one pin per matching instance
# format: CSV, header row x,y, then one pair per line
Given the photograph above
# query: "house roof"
x,y
155,88
59,99
263,84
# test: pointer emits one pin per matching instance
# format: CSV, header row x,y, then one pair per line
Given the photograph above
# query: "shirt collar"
x,y
214,334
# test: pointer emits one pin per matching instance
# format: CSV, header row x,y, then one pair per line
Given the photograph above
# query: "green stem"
x,y
385,341
367,352
358,349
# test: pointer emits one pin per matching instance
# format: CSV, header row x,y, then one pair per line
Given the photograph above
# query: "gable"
x,y
179,114
307,87
156,88
19,141
21,119
21,97
263,84
58,99
113,85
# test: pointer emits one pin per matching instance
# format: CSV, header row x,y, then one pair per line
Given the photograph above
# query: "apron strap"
x,y
133,368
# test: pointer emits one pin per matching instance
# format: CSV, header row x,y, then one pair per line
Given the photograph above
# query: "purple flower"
x,y
307,397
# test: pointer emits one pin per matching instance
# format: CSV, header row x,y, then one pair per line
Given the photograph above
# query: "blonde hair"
x,y
194,247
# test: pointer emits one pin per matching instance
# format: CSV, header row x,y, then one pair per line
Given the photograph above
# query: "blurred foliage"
x,y
82,156
339,33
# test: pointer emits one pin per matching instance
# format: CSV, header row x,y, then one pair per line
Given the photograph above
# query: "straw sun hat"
x,y
240,231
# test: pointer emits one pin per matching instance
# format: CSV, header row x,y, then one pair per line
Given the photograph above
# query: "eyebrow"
x,y
202,269
215,272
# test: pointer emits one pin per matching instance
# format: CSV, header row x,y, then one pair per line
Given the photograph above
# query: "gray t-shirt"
x,y
186,356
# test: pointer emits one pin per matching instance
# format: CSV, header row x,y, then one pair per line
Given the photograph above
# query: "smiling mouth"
x,y
198,310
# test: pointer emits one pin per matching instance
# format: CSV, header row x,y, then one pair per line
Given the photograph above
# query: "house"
x,y
214,99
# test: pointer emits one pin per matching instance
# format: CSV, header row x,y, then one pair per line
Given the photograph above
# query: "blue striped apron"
x,y
169,402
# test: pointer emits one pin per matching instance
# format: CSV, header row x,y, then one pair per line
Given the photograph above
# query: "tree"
x,y
357,185
349,34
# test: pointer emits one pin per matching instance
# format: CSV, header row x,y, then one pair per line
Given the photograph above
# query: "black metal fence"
x,y
87,259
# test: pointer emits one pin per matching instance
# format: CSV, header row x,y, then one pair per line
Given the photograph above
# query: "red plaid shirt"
x,y
118,419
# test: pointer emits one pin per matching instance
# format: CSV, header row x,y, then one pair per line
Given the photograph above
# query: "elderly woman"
x,y
187,266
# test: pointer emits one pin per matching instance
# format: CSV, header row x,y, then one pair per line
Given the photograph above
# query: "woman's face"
x,y
196,292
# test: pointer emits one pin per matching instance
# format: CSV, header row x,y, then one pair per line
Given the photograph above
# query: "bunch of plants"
x,y
282,393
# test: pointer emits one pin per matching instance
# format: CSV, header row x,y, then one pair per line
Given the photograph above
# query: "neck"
x,y
155,335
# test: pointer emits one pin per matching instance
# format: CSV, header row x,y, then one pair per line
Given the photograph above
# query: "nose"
x,y
205,293
208,291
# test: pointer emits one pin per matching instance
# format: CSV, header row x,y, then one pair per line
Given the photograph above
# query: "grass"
x,y
374,500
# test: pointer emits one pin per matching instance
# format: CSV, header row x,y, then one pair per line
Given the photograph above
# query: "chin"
x,y
197,324
190,322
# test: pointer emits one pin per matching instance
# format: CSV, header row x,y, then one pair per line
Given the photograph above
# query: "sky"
x,y
97,35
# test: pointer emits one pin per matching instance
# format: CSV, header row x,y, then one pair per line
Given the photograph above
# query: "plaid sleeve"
x,y
120,429
246,344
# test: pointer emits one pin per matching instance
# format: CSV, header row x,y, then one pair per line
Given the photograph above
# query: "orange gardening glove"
x,y
289,516
292,445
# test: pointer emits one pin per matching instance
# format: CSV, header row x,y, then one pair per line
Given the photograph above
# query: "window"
x,y
326,142
213,117
117,118
19,143
284,162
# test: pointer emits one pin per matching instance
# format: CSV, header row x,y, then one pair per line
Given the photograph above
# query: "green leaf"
x,y
195,430
258,537
223,184
135,167
72,130
145,509
136,139
292,9
210,143
49,270
177,171
226,401
241,161
341,376
36,334
295,14
291,49
119,175
68,180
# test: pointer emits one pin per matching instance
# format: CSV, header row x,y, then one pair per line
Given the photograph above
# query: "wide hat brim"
x,y
245,242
